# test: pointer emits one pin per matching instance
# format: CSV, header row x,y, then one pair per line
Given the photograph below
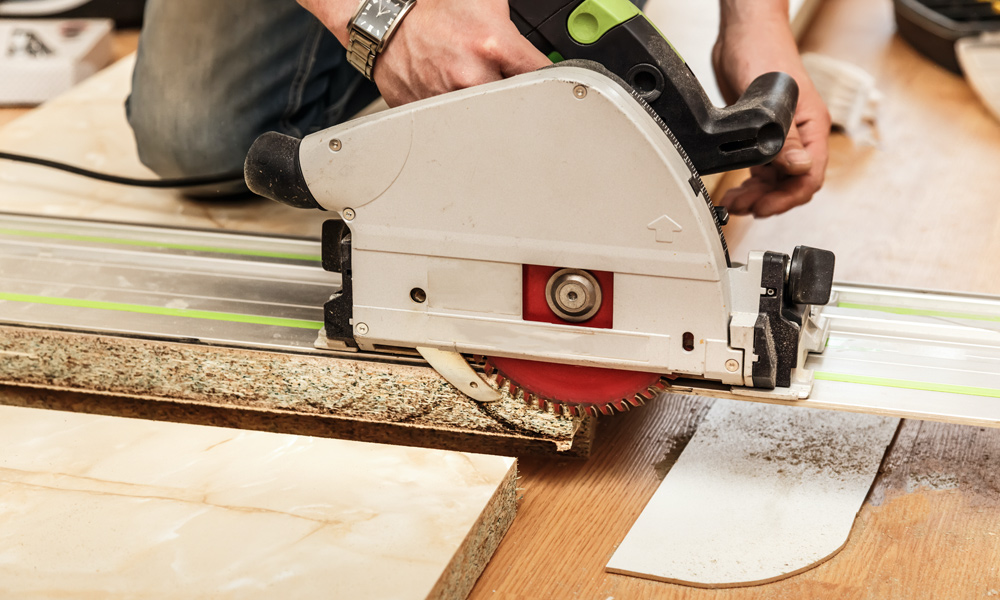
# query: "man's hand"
x,y
441,46
755,38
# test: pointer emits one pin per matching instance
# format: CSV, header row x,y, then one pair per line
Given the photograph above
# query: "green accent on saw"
x,y
964,390
555,57
166,312
920,312
72,237
593,18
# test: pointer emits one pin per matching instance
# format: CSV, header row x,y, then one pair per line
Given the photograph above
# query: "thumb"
x,y
521,56
793,158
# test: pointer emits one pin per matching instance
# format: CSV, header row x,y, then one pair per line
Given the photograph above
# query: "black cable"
x,y
184,182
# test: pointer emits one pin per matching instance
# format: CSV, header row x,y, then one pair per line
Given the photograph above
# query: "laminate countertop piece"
x,y
760,493
100,507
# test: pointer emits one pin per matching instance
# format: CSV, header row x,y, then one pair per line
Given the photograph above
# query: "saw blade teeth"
x,y
606,409
621,406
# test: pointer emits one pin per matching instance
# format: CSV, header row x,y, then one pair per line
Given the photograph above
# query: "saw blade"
x,y
572,389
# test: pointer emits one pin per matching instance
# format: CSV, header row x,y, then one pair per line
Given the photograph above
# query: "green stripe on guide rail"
x,y
166,312
924,386
920,312
73,237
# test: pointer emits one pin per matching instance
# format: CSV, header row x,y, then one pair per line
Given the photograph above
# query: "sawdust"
x,y
803,442
930,481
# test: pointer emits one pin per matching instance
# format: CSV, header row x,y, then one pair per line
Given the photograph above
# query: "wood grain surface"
x,y
921,210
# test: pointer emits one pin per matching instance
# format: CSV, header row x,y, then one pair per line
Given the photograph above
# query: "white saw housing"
x,y
562,167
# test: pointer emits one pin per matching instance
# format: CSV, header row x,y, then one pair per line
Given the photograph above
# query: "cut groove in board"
x,y
759,494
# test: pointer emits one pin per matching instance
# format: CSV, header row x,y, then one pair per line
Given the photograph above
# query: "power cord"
x,y
184,182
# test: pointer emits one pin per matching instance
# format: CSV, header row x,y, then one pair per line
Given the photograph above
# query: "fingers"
x,y
793,158
518,56
769,192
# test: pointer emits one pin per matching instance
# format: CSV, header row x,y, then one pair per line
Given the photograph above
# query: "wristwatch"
x,y
371,27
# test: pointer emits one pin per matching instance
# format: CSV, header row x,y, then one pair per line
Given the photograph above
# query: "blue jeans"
x,y
212,75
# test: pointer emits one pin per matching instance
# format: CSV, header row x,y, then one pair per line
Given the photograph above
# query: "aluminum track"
x,y
897,352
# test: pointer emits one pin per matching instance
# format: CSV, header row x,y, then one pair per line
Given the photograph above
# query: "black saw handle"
x,y
750,132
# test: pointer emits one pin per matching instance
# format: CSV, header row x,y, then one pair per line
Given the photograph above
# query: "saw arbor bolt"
x,y
573,295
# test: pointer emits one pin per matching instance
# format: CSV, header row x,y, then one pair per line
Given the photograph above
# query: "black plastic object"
x,y
748,133
776,333
810,276
338,313
933,26
126,13
790,286
272,170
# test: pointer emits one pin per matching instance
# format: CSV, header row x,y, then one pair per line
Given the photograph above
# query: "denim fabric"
x,y
211,75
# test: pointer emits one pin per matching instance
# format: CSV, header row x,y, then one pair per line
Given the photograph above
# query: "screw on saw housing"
x,y
616,34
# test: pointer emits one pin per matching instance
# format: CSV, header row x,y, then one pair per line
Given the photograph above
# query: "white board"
x,y
101,507
760,492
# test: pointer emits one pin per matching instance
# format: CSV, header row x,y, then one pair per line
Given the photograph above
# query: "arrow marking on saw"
x,y
665,228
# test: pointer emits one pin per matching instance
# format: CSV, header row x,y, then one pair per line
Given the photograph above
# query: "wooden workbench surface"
x,y
921,210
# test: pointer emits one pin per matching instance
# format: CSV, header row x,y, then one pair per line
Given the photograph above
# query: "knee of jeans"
x,y
175,141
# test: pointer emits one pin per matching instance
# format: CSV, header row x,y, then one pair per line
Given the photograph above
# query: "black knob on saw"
x,y
810,276
272,170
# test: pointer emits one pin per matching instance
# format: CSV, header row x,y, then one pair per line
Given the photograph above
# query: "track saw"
x,y
553,229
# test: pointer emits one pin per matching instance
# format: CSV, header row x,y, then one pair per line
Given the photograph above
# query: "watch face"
x,y
376,17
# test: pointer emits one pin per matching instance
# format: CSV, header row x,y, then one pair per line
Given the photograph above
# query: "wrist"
x,y
752,13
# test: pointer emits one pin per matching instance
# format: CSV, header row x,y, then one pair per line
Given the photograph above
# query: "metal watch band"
x,y
362,48
361,52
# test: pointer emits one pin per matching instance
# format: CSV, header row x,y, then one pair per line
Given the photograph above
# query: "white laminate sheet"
x,y
107,507
760,493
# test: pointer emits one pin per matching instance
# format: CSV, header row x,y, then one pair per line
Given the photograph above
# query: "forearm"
x,y
335,14
750,12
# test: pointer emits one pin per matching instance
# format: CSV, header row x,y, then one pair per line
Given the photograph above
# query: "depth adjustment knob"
x,y
810,276
573,295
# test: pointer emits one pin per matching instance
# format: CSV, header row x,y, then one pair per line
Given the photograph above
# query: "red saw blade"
x,y
572,388
563,388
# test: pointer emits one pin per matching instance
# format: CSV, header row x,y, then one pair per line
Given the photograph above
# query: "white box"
x,y
41,58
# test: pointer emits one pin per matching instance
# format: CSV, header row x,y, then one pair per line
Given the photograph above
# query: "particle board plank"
x,y
111,507
347,398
